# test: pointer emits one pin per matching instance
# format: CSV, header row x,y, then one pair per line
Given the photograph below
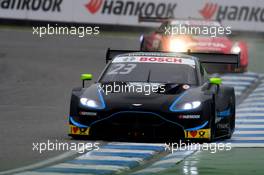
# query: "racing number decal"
x,y
115,70
128,68
122,69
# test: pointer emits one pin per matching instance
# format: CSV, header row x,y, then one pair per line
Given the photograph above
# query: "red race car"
x,y
176,35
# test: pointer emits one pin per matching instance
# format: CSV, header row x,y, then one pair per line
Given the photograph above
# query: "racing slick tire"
x,y
212,125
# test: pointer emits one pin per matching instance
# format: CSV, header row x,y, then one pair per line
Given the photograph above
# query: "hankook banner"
x,y
246,15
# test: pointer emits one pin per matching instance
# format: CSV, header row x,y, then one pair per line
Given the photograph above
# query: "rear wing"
x,y
213,62
163,19
217,58
110,54
154,19
218,62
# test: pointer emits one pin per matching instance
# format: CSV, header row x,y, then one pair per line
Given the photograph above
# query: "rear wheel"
x,y
233,112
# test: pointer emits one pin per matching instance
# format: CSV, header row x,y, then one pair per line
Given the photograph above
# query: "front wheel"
x,y
232,117
214,114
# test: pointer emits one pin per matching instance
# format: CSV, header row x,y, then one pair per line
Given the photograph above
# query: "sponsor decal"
x,y
222,125
198,134
32,5
131,8
207,44
94,5
87,113
232,12
161,59
79,131
208,10
170,60
189,116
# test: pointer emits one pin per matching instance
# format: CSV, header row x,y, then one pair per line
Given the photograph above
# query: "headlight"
x,y
192,105
141,38
185,106
235,49
178,46
91,103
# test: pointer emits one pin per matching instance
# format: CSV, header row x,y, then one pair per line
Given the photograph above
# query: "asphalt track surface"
x,y
37,75
234,162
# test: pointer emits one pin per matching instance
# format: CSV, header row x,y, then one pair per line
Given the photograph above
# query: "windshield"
x,y
150,72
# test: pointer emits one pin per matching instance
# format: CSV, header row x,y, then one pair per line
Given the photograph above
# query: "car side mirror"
x,y
215,81
86,77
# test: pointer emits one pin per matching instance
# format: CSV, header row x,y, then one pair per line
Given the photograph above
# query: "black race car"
x,y
156,95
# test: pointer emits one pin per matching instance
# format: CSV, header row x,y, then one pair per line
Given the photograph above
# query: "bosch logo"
x,y
208,10
94,5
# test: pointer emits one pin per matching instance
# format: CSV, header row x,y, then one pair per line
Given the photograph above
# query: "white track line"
x,y
250,109
136,144
249,126
238,132
48,173
246,114
248,138
87,166
123,151
97,157
247,145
